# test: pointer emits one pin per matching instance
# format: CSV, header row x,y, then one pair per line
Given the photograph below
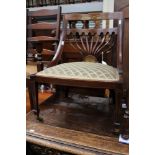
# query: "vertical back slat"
x,y
94,44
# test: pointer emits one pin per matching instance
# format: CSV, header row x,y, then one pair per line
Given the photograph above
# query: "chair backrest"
x,y
43,27
86,32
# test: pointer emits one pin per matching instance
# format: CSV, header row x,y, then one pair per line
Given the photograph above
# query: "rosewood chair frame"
x,y
116,86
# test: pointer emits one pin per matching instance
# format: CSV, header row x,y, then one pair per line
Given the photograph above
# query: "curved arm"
x,y
58,53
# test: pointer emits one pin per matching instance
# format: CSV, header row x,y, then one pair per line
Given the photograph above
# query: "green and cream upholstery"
x,y
82,71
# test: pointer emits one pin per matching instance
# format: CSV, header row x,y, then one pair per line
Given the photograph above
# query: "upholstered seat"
x,y
82,71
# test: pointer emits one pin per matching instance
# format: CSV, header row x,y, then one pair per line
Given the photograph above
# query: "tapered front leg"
x,y
29,85
117,111
34,91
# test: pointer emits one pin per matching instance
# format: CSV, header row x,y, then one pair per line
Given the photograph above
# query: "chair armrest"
x,y
58,53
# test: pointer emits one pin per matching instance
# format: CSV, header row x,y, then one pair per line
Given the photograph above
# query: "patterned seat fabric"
x,y
82,71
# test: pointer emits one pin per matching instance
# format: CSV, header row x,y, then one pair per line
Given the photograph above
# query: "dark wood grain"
x,y
94,16
70,127
40,31
43,25
123,5
43,12
41,38
77,83
93,38
126,47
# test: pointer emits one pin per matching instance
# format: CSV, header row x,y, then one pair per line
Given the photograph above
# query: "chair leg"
x,y
66,92
34,91
112,96
29,84
117,111
60,92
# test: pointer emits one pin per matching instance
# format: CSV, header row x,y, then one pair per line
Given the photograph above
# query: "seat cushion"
x,y
31,69
82,71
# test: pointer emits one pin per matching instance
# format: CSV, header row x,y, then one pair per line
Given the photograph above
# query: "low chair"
x,y
95,41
